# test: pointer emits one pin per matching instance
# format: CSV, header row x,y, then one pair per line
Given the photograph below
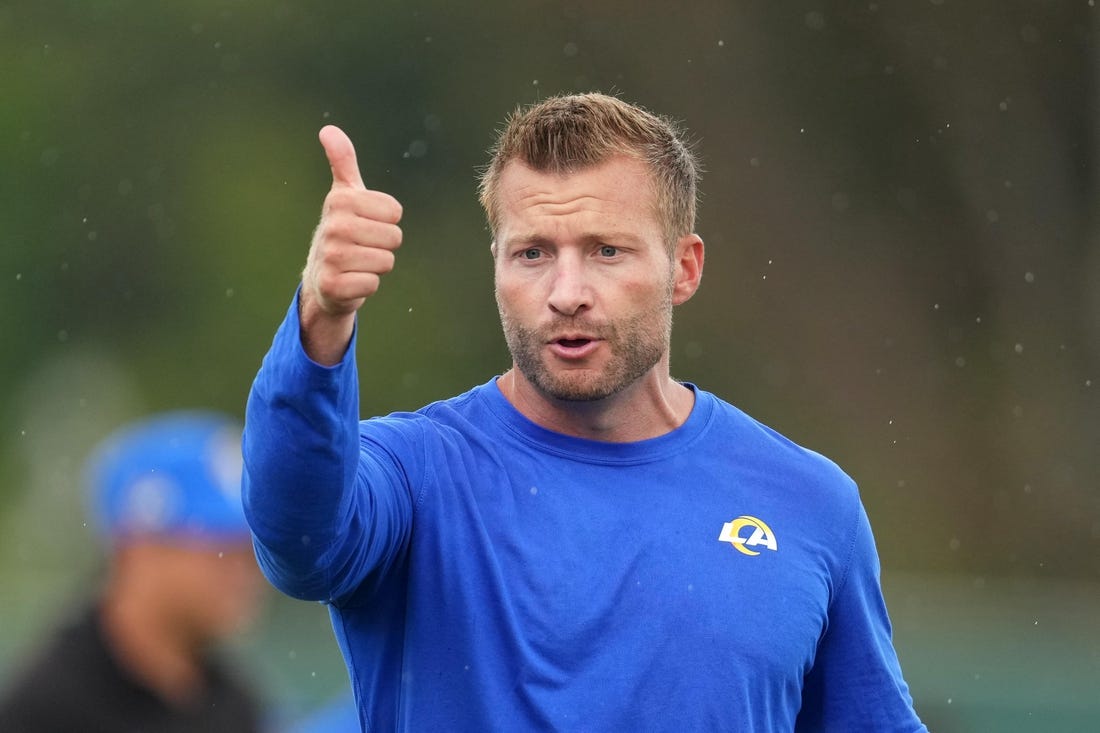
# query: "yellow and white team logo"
x,y
742,541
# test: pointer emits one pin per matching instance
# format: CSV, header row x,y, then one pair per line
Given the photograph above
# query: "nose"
x,y
570,290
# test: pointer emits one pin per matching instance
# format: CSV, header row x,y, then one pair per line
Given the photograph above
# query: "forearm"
x,y
324,336
301,452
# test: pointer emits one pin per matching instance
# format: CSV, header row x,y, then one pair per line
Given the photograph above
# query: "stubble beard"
x,y
637,343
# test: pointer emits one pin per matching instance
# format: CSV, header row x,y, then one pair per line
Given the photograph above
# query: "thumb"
x,y
341,157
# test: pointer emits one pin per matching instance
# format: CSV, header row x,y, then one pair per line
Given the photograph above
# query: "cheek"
x,y
513,296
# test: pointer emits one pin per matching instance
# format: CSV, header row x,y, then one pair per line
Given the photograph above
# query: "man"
x,y
180,576
582,543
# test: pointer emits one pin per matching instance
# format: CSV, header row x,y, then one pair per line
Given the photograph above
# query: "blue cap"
x,y
176,475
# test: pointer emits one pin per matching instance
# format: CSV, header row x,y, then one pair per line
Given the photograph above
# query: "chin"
x,y
576,388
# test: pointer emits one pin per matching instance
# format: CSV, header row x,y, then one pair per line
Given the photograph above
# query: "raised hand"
x,y
353,246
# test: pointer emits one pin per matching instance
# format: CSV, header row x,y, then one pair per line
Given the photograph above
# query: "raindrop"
x,y
534,490
1029,277
1018,348
815,20
570,49
721,43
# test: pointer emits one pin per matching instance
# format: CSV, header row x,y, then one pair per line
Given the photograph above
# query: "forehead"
x,y
621,186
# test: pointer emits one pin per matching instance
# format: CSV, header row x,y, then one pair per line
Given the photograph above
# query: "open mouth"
x,y
572,343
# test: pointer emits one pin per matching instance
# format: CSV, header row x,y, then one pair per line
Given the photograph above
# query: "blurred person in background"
x,y
180,576
582,542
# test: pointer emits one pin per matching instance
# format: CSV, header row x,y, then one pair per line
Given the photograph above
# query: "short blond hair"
x,y
569,133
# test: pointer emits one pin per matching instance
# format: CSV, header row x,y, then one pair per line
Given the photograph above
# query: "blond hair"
x,y
564,134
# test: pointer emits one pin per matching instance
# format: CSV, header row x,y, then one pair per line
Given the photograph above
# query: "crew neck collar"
x,y
597,451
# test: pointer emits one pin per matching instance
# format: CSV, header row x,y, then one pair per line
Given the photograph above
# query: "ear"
x,y
687,267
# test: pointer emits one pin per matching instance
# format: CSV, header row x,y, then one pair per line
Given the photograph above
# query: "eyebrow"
x,y
609,237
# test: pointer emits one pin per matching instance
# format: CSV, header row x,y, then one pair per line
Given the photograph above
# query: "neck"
x,y
653,405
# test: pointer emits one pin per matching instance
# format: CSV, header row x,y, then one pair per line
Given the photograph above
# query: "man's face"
x,y
584,281
210,591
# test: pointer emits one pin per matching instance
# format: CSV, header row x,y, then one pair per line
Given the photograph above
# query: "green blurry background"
x,y
902,213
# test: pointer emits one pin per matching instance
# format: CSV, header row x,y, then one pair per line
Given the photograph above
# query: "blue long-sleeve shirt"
x,y
484,573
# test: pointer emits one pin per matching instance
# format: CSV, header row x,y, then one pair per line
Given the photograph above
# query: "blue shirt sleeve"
x,y
855,683
328,509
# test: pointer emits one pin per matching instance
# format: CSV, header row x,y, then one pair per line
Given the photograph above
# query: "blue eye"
x,y
608,251
531,254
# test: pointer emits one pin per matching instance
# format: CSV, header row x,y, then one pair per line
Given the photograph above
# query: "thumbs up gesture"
x,y
352,247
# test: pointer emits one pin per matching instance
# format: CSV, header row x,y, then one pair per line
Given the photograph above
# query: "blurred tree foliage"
x,y
900,206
